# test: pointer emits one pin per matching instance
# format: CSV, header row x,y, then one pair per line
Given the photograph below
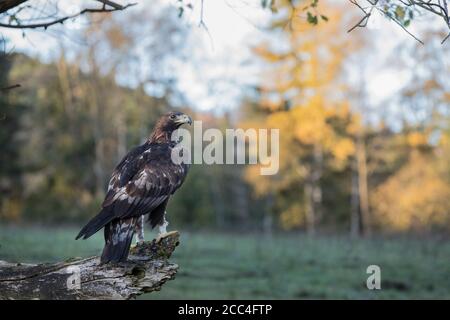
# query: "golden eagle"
x,y
141,185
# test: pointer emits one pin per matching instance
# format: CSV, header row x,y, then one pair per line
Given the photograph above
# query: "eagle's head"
x,y
173,120
167,124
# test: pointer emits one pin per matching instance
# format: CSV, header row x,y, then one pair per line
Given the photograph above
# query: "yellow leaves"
x,y
116,37
251,124
430,85
270,105
310,122
417,139
280,120
446,97
319,125
292,217
343,149
414,198
444,140
264,52
355,124
11,209
313,57
313,125
400,13
261,184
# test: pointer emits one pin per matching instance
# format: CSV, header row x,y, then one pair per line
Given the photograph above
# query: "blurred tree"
x,y
303,101
414,198
413,195
10,169
64,134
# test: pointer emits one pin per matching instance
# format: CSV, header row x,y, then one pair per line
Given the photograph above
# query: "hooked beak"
x,y
184,118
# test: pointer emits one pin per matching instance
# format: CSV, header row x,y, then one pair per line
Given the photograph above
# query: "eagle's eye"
x,y
172,116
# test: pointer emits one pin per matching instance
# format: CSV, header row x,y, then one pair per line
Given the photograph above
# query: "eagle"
x,y
140,186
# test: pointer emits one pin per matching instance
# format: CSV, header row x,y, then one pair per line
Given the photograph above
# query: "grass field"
x,y
289,266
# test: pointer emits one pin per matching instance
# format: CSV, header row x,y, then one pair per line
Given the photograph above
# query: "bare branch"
x,y
45,25
10,87
363,22
111,4
203,25
406,30
389,9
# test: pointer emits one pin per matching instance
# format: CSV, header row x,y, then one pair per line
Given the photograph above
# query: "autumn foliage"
x,y
332,162
346,164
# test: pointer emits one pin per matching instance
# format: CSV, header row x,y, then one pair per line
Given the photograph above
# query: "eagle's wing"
x,y
141,183
143,180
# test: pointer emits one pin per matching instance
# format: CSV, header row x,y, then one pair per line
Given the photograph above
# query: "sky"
x,y
218,69
220,66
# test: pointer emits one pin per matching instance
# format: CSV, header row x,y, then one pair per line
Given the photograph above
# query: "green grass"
x,y
249,266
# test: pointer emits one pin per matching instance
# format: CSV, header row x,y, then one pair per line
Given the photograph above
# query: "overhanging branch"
x,y
45,25
401,12
10,87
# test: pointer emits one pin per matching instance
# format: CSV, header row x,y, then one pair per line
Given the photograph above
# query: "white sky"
x,y
219,68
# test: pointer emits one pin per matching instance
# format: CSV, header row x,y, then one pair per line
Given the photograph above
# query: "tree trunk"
x,y
65,83
96,118
313,191
355,228
309,209
146,270
363,186
316,186
240,194
217,197
121,128
267,221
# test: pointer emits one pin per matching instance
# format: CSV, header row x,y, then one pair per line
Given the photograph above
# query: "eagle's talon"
x,y
162,236
137,244
159,238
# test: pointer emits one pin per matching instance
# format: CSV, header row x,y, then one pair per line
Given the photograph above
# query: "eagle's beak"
x,y
184,118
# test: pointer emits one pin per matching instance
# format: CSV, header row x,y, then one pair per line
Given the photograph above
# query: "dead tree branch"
x,y
15,23
146,270
45,25
10,87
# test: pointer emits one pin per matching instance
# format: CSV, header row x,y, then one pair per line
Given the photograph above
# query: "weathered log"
x,y
146,270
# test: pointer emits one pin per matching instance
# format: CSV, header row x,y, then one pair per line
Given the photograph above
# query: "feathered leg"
x,y
158,218
140,230
163,225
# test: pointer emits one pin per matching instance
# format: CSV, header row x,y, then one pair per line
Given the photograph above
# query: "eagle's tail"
x,y
118,236
96,223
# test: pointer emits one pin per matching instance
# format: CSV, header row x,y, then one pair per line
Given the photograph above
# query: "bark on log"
x,y
146,270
